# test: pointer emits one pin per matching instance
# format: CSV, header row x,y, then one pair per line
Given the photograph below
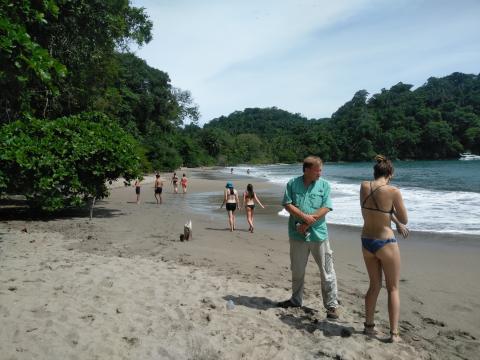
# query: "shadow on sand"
x,y
16,209
302,318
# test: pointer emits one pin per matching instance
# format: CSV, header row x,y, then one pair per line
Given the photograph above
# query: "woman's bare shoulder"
x,y
365,183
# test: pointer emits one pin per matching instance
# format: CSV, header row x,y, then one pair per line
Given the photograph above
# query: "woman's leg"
x,y
389,255
230,219
374,270
233,219
249,218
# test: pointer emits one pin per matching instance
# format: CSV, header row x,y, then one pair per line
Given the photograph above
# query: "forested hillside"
x,y
438,120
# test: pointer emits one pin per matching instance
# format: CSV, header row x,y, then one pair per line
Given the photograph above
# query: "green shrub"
x,y
66,161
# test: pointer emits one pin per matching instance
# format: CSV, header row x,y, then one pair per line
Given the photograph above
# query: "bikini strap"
x,y
373,197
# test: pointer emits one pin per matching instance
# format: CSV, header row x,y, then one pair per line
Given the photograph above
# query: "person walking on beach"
x,y
158,186
231,202
381,204
307,199
175,183
183,182
137,190
249,199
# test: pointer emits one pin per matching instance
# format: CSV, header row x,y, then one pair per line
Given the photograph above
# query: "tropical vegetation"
x,y
78,108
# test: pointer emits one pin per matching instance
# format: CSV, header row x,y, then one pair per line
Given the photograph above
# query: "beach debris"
x,y
25,230
187,230
346,332
12,288
230,305
131,340
209,303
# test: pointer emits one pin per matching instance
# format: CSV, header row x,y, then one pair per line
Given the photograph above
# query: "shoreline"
x,y
126,272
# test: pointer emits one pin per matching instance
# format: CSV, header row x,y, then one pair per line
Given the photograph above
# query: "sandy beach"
x,y
123,286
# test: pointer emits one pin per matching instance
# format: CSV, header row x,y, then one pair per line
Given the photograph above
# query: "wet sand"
x,y
123,285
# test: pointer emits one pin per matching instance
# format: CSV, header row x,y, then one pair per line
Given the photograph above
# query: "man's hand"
x,y
302,228
309,219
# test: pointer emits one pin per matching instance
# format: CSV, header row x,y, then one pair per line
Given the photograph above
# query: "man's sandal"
x,y
369,329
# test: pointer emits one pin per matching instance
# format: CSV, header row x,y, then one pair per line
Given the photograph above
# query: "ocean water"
x,y
441,196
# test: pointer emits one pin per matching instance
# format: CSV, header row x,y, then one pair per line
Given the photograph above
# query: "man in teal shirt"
x,y
307,199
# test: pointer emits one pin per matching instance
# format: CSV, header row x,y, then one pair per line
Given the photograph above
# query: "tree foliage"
x,y
60,163
438,120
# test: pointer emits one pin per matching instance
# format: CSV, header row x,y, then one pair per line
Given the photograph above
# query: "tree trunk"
x,y
92,204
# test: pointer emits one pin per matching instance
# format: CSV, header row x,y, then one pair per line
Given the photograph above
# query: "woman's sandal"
x,y
369,329
395,337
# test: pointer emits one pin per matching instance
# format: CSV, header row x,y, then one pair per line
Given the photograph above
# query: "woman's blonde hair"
x,y
383,167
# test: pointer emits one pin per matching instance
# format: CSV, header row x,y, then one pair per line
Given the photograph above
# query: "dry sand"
x,y
124,287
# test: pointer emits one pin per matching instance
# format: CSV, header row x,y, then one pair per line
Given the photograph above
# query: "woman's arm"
x,y
224,198
401,228
400,211
258,200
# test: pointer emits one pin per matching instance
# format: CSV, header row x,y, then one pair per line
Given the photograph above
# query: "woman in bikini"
x,y
249,198
175,183
381,204
183,182
231,202
137,190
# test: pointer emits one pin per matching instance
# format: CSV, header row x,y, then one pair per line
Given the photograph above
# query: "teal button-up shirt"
x,y
308,200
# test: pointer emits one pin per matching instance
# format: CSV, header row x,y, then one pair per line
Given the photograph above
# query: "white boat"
x,y
469,156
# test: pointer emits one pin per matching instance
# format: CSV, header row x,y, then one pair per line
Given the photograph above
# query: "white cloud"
x,y
307,56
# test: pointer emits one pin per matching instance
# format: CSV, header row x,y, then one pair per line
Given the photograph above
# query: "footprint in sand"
x,y
430,321
416,300
107,282
455,334
463,308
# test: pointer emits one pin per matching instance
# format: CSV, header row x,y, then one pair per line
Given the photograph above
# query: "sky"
x,y
306,56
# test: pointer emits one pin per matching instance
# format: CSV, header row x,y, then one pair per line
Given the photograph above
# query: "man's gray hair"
x,y
311,161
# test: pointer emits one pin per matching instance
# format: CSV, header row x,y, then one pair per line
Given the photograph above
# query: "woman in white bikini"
x,y
249,199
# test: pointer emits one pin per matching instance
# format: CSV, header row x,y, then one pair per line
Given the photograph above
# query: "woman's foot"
x,y
395,337
369,329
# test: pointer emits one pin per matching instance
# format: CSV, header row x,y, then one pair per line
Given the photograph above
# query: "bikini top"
x,y
374,201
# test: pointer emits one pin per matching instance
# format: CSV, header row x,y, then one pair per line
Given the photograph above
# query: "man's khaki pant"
x,y
323,255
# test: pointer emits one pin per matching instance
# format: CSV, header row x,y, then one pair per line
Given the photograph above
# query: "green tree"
x,y
64,162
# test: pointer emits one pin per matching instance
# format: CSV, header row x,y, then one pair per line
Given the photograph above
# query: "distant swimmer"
x,y
158,186
231,170
248,171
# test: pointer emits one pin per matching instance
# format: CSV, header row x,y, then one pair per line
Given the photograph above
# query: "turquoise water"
x,y
441,196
